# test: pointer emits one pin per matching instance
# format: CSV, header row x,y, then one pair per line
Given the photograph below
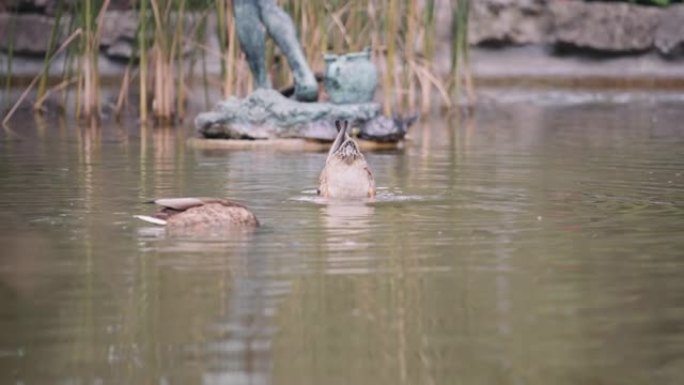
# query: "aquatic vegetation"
x,y
88,75
169,50
460,70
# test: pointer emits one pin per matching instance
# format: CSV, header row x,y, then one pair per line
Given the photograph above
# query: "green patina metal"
x,y
250,17
350,78
350,81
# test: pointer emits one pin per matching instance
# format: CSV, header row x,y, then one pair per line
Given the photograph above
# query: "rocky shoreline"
x,y
574,26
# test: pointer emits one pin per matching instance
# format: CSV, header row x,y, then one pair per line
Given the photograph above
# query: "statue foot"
x,y
306,89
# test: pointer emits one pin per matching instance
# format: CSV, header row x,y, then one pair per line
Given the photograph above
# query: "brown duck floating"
x,y
201,214
346,173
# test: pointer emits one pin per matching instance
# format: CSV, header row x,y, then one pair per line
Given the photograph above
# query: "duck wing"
x,y
182,204
172,206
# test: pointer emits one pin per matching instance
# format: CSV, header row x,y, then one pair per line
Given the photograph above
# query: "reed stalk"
x,y
71,54
319,13
10,59
460,71
390,41
54,36
178,47
61,86
122,98
231,54
129,73
162,60
409,44
205,77
91,45
429,31
454,84
196,36
354,24
142,49
35,80
393,29
223,10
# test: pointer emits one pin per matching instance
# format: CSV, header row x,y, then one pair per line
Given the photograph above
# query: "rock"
x,y
509,22
266,114
50,7
384,129
119,33
669,37
122,49
30,33
609,27
118,26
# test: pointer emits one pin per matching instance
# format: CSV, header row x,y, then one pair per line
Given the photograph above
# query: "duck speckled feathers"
x,y
213,214
346,174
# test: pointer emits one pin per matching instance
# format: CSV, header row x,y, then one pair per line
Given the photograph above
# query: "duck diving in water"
x,y
192,214
346,174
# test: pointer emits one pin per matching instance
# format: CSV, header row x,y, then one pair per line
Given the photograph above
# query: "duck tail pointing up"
x,y
152,220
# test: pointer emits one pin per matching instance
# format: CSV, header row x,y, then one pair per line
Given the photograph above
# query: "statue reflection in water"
x,y
250,16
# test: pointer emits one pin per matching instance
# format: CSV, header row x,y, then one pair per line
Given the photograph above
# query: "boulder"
x,y
29,33
118,26
119,33
669,37
50,7
607,27
509,22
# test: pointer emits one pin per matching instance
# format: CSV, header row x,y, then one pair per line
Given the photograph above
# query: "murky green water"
x,y
530,245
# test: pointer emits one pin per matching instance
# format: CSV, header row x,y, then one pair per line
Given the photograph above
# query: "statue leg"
x,y
252,39
280,28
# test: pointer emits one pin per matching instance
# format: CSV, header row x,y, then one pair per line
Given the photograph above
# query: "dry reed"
x,y
400,33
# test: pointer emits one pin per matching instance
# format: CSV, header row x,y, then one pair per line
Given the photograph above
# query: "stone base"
x,y
266,114
283,145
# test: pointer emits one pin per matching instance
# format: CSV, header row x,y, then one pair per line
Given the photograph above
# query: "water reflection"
x,y
524,244
347,225
242,354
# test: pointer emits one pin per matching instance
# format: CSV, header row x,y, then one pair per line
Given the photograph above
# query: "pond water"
x,y
530,244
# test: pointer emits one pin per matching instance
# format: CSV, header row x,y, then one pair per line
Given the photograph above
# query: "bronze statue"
x,y
346,173
250,15
201,214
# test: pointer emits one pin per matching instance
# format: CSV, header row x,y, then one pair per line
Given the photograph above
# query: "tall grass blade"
x,y
428,52
460,71
54,35
10,60
222,14
35,80
390,41
178,43
409,43
142,49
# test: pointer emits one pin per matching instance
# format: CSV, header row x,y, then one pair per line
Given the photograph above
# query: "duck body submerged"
x,y
187,214
346,174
